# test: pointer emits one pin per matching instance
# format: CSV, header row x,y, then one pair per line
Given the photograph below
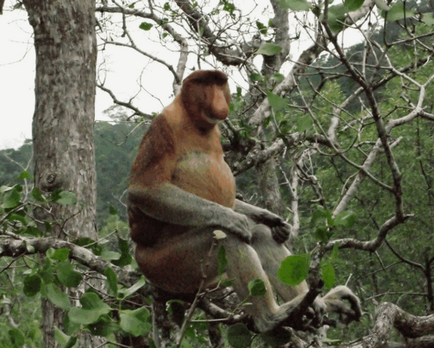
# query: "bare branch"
x,y
390,316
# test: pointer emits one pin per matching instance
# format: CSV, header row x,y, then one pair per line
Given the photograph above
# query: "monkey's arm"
x,y
169,203
279,228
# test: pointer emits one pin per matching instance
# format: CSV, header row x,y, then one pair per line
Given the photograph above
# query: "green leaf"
x,y
69,327
93,308
255,77
145,26
17,217
353,5
64,340
92,301
48,226
23,175
112,210
83,316
126,257
319,217
112,279
67,275
294,269
60,337
11,199
428,18
278,78
109,255
103,327
239,336
67,198
135,322
304,123
295,5
57,297
58,255
17,338
323,234
397,11
335,252
262,28
32,231
133,289
36,194
71,342
269,49
32,285
228,6
336,17
55,195
46,272
328,275
276,102
346,219
257,288
382,5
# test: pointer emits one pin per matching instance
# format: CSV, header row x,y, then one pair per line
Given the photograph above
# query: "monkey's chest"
x,y
206,176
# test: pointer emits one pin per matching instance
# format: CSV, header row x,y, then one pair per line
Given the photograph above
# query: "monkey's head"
x,y
206,97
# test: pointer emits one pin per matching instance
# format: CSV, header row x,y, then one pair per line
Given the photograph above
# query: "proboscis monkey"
x,y
181,190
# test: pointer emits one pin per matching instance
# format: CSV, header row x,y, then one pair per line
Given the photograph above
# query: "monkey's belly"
x,y
206,176
178,264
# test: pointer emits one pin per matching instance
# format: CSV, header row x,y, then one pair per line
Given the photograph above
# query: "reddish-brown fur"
x,y
181,190
182,146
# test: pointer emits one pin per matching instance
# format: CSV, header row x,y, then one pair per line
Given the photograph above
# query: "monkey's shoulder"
x,y
157,141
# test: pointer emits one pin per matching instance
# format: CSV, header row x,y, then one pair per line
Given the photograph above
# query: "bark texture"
x,y
63,144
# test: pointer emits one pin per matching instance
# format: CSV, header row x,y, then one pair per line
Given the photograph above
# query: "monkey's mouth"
x,y
215,118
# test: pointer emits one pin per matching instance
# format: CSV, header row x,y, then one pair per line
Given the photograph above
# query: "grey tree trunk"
x,y
63,144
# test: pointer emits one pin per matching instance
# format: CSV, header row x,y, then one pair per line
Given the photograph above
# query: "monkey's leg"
x,y
271,254
244,265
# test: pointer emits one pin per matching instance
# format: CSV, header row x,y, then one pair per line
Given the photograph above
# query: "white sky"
x,y
17,74
123,67
17,60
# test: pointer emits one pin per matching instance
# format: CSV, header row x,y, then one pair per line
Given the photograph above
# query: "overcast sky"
x,y
17,74
123,67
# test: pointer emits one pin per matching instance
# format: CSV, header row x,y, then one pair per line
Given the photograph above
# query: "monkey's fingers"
x,y
281,233
243,234
269,219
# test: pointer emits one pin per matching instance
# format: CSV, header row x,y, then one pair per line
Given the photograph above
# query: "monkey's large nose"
x,y
220,107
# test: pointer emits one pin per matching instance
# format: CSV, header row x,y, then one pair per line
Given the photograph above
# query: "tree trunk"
x,y
63,144
269,186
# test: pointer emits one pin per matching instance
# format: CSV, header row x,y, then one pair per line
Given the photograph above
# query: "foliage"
x,y
351,131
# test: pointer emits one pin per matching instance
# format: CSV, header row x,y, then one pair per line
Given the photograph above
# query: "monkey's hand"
x,y
240,226
279,228
335,301
307,317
